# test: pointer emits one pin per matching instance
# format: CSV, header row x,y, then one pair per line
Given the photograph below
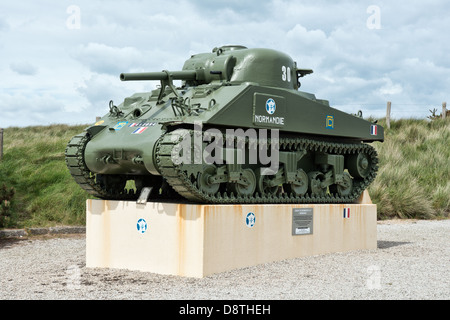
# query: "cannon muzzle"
x,y
163,75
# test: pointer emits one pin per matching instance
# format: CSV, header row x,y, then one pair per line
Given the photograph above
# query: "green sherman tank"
x,y
235,129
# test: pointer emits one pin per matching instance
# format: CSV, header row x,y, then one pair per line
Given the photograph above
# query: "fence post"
x,y
1,144
444,110
388,115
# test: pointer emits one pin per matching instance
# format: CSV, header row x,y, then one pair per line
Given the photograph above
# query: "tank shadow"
x,y
383,244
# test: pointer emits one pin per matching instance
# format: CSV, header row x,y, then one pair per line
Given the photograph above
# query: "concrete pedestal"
x,y
198,240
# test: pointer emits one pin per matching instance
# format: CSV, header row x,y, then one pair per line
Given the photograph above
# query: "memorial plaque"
x,y
302,221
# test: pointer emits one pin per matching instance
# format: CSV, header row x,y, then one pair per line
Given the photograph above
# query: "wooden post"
x,y
1,144
388,115
444,110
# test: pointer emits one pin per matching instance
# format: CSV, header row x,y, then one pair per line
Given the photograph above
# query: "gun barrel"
x,y
176,75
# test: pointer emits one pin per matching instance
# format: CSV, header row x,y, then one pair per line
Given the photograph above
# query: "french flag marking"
x,y
139,131
346,212
373,129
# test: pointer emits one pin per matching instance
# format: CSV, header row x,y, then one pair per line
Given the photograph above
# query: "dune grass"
x,y
413,179
414,172
34,165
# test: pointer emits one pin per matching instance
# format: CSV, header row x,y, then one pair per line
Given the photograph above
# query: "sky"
x,y
60,60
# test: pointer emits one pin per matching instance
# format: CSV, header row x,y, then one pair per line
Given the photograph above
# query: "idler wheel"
x,y
246,185
300,186
205,180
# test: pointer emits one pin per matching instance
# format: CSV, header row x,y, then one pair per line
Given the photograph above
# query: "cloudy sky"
x,y
60,60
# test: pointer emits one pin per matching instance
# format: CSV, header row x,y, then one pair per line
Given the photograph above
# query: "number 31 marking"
x,y
286,73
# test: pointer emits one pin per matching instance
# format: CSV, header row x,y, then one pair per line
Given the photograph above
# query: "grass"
x,y
33,163
413,179
414,175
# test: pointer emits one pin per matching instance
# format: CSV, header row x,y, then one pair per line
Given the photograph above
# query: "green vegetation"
x,y
33,164
6,198
413,179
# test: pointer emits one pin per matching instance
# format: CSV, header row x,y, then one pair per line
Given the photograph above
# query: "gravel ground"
x,y
411,262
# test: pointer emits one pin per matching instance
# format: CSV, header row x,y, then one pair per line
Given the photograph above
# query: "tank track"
x,y
180,181
177,177
74,155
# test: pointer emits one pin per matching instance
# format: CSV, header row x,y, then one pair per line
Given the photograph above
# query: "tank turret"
x,y
237,130
236,64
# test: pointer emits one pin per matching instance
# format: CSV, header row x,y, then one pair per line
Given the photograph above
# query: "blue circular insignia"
x,y
271,106
250,219
141,226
